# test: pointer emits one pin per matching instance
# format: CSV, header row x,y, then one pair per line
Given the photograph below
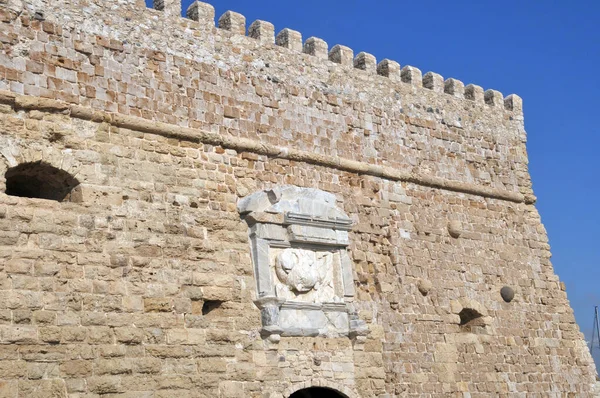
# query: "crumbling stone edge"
x,y
23,102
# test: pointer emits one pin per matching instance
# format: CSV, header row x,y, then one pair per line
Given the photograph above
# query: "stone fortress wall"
x,y
393,207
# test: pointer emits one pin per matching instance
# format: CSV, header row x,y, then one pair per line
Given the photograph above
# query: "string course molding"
x,y
264,32
29,103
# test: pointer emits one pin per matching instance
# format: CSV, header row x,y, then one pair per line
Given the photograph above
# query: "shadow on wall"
x,y
471,320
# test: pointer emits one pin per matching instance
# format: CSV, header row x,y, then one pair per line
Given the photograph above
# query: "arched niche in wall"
x,y
472,317
304,275
40,180
35,170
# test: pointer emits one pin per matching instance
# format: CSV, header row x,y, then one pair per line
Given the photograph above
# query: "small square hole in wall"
x,y
210,305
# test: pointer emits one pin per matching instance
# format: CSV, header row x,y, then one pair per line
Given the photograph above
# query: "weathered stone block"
x,y
262,31
474,93
289,39
316,47
412,75
389,68
129,335
43,388
433,81
366,62
105,384
341,55
171,8
201,12
19,266
19,334
233,22
160,304
76,368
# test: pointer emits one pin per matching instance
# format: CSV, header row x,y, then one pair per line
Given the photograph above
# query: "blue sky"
x,y
548,52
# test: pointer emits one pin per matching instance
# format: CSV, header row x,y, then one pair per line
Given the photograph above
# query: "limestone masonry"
x,y
198,211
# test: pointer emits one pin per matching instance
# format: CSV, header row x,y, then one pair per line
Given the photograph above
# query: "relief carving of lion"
x,y
300,269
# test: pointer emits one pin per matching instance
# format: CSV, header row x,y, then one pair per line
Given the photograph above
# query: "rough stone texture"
x,y
201,12
289,39
389,69
341,55
262,31
169,7
145,286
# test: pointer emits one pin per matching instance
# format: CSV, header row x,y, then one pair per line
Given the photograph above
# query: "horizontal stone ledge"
x,y
249,145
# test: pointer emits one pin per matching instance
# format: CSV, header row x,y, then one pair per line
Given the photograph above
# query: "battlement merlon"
x,y
264,32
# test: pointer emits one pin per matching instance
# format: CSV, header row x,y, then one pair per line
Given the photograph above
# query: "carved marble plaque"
x,y
307,275
304,277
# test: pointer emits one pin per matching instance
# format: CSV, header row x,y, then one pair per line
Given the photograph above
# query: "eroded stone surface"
x,y
455,228
303,270
424,286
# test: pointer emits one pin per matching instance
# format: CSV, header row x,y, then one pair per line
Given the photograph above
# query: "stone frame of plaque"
x,y
304,274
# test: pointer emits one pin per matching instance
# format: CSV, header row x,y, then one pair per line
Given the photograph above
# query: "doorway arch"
x,y
318,392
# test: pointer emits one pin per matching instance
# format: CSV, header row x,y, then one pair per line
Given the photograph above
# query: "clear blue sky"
x,y
548,52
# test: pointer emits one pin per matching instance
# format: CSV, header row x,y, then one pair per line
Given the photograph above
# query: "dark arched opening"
x,y
318,392
40,180
471,320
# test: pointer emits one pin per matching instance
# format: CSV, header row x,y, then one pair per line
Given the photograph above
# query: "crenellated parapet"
x,y
292,40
